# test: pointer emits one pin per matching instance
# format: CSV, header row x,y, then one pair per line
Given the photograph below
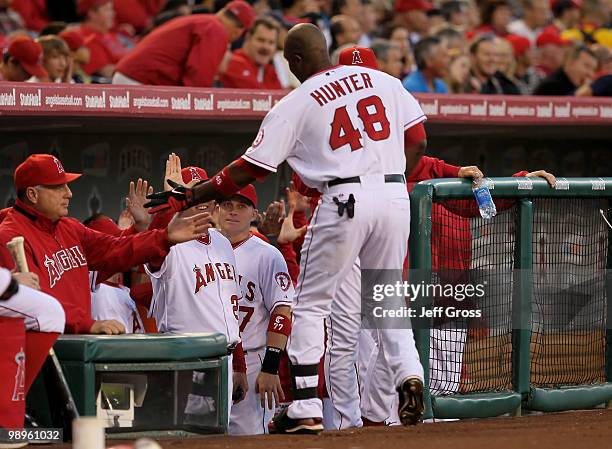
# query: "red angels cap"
x,y
105,225
551,38
244,12
193,174
520,44
248,192
358,56
84,6
412,5
73,39
29,54
42,169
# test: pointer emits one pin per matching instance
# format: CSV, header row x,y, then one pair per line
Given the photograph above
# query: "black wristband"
x,y
11,290
271,360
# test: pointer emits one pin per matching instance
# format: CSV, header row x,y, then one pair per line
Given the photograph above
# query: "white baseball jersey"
x,y
322,127
265,284
110,302
196,288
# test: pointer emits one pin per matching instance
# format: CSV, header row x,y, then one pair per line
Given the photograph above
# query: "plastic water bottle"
x,y
484,200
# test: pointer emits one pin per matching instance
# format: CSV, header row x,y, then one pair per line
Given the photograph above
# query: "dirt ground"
x,y
571,430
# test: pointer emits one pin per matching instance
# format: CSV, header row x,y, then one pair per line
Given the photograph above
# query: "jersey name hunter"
x,y
344,86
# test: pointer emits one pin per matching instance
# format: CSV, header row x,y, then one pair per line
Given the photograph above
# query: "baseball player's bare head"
x,y
306,51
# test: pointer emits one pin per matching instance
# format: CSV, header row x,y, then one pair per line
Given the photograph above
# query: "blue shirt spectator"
x,y
416,82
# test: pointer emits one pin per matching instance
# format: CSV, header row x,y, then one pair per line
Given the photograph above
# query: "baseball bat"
x,y
15,247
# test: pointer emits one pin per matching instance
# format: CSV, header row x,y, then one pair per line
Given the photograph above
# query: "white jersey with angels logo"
x,y
196,288
265,284
322,127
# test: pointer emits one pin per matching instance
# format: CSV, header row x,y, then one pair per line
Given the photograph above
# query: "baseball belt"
x,y
357,180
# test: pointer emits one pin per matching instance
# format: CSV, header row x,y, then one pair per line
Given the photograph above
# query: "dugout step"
x,y
146,384
569,398
476,405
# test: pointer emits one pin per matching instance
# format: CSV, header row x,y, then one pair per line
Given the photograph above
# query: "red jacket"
x,y
243,73
185,51
33,12
61,253
104,48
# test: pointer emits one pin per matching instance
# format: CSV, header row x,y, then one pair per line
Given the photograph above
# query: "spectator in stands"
x,y
506,63
399,35
105,47
495,17
56,60
551,52
186,51
369,22
455,14
432,66
10,20
344,30
458,73
566,15
388,57
602,86
526,76
485,77
453,40
351,8
33,12
412,14
536,14
579,67
295,10
250,67
22,60
79,54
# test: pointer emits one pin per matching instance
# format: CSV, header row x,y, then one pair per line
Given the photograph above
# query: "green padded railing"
x,y
525,390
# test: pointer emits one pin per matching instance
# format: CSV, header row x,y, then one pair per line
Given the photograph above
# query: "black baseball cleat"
x,y
282,423
411,406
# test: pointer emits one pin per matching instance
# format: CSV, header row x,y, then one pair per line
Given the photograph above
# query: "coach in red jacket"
x,y
250,67
61,251
186,51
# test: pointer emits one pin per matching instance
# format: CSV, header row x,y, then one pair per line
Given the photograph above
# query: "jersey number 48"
x,y
372,112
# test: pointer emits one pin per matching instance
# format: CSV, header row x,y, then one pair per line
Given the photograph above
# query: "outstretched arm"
x,y
221,186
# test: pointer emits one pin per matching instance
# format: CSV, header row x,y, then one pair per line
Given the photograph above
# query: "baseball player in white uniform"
x,y
111,301
267,292
196,289
41,312
343,132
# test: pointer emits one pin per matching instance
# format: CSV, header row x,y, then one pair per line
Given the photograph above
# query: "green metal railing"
x,y
523,394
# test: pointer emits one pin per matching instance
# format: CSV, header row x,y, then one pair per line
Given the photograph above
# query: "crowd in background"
x,y
513,47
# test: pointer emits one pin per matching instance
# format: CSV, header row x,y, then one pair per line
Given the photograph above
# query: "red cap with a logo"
x,y
358,56
412,5
42,170
244,12
193,174
248,192
29,54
